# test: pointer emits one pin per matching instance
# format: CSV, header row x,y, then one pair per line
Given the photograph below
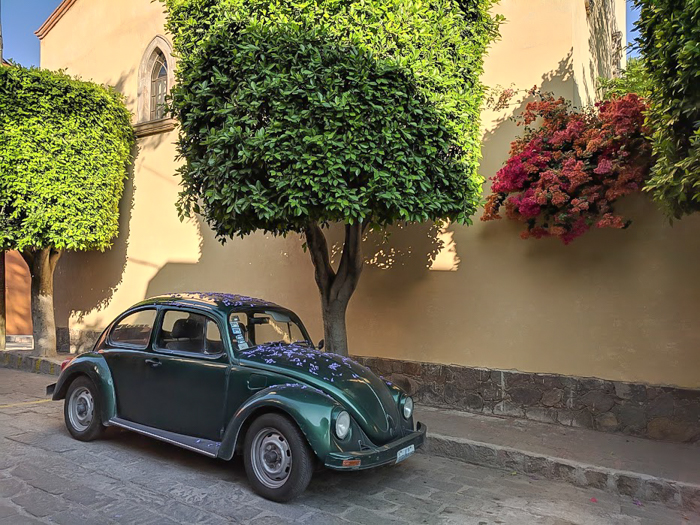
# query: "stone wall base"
x,y
654,412
75,341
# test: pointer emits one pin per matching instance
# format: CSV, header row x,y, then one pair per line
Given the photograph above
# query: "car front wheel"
x,y
81,410
277,458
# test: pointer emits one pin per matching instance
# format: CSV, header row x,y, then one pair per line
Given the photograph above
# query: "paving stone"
x,y
51,484
39,503
321,518
410,515
10,487
367,517
88,497
405,500
6,511
191,514
126,512
325,504
20,520
79,517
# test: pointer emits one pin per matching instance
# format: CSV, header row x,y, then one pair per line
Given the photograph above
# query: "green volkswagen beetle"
x,y
220,374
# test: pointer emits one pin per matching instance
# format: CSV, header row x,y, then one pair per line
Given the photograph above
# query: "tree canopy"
x,y
669,39
294,112
633,79
64,147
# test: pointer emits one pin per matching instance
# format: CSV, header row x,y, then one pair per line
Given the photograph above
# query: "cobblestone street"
x,y
47,477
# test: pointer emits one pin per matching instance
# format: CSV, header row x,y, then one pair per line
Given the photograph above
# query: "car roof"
x,y
209,300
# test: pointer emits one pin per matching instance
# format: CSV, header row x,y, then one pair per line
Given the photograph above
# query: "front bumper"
x,y
379,456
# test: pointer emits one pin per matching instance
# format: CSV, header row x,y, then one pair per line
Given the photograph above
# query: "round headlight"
x,y
342,425
407,407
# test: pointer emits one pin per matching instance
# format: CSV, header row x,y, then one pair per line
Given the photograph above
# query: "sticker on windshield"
x,y
236,329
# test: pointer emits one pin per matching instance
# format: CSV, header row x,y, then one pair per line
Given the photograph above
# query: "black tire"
x,y
83,392
281,435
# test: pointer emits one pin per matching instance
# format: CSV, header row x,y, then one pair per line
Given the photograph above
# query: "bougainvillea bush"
x,y
568,169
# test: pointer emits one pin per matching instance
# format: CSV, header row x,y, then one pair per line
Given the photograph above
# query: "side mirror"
x,y
320,344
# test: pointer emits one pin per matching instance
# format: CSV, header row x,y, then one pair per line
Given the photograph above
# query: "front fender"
x,y
310,408
95,367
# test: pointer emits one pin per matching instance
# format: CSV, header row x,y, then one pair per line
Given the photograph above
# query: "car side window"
x,y
134,329
189,332
213,345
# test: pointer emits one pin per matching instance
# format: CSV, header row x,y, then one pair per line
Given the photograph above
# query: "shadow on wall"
x,y
397,260
277,268
617,301
85,281
605,46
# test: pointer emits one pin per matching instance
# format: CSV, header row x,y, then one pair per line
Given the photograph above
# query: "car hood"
x,y
364,395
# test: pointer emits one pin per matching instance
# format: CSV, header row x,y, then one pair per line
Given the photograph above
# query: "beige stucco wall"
x,y
615,304
599,35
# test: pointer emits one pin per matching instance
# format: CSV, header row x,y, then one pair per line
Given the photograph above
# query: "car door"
x,y
126,348
186,374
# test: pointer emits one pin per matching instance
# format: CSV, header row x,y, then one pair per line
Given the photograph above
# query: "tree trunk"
x,y
42,264
335,334
336,288
3,309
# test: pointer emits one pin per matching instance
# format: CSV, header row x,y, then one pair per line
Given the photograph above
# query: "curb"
x,y
621,482
29,363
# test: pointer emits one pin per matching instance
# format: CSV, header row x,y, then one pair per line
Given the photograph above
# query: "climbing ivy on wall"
x,y
669,40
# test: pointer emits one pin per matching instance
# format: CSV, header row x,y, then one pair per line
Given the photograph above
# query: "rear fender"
x,y
310,408
95,367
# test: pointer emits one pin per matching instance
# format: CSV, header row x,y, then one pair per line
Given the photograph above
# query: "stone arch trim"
x,y
144,78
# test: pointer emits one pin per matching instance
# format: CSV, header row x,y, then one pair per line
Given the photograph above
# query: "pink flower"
x,y
528,207
604,167
577,229
610,221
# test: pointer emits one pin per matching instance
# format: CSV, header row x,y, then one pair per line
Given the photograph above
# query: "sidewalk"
x,y
19,356
643,469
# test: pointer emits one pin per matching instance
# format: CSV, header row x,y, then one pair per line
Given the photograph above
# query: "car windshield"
x,y
252,328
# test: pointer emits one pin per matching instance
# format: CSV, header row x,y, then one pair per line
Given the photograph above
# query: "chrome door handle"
x,y
154,362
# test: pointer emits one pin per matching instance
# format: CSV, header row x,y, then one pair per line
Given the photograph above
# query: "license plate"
x,y
405,452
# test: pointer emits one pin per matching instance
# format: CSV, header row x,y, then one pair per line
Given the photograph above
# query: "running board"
x,y
203,446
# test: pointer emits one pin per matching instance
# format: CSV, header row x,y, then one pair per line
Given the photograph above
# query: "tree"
x,y
633,79
295,115
64,149
669,40
3,311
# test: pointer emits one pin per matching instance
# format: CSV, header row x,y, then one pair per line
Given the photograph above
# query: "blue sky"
x,y
20,18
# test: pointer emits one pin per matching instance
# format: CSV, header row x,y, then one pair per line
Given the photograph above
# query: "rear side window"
x,y
134,329
189,332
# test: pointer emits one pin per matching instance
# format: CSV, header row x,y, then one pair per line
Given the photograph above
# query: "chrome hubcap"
x,y
81,409
271,458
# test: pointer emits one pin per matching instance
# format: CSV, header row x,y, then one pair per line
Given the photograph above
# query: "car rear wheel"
x,y
277,458
82,410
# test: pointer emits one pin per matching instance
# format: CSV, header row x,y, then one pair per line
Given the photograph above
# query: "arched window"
x,y
156,77
159,85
